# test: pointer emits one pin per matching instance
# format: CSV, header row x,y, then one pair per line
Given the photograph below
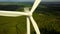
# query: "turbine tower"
x,y
27,13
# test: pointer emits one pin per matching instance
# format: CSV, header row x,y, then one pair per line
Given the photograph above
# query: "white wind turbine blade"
x,y
12,13
35,25
28,25
36,3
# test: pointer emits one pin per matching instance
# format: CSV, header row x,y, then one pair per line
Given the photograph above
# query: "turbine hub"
x,y
29,14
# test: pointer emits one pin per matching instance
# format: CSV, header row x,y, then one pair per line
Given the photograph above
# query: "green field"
x,y
47,21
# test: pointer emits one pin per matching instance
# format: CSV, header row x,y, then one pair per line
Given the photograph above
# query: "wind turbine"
x,y
26,13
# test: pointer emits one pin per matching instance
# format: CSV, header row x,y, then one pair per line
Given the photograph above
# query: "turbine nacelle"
x,y
26,9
